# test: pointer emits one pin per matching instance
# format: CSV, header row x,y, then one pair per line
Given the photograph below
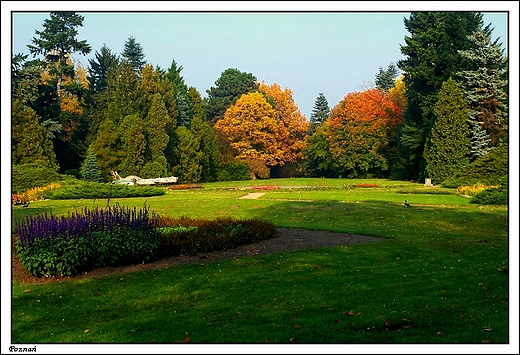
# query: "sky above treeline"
x,y
333,52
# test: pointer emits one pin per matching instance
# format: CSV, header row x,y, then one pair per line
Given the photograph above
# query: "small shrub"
x,y
38,193
17,199
473,190
186,236
31,175
76,189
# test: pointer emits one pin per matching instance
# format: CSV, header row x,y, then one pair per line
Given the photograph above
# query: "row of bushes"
x,y
65,246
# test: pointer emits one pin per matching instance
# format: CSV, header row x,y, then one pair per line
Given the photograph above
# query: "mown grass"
x,y
441,276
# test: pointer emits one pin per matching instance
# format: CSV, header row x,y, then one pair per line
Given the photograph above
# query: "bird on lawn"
x,y
25,205
406,204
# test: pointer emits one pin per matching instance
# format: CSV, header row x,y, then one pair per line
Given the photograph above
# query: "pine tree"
x,y
90,170
448,146
319,113
484,85
57,42
107,147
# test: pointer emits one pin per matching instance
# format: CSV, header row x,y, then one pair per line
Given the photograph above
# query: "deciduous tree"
x,y
251,128
359,130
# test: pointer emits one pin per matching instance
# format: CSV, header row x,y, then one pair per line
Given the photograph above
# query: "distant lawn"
x,y
442,276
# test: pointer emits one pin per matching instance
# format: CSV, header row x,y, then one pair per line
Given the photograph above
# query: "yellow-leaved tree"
x,y
251,129
292,125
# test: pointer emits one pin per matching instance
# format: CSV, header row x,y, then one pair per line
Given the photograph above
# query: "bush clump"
x,y
186,236
73,189
48,245
486,170
65,246
493,196
31,175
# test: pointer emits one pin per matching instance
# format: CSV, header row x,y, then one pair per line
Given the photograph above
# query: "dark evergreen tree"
x,y
319,113
124,97
133,54
90,170
56,43
183,106
227,90
210,158
484,84
432,56
385,79
448,145
189,168
104,62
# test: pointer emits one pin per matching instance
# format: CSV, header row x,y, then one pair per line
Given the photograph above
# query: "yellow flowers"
x,y
37,193
473,190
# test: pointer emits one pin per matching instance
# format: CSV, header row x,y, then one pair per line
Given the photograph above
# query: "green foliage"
x,y
189,168
447,149
385,79
228,88
134,144
53,246
319,113
90,169
108,147
72,189
493,196
484,84
431,57
234,170
133,54
188,236
486,170
31,175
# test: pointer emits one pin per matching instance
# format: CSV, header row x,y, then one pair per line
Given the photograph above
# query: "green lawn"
x,y
442,275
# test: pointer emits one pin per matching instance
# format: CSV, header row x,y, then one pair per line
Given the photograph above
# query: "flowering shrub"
x,y
38,193
17,199
265,188
473,190
365,185
187,236
50,245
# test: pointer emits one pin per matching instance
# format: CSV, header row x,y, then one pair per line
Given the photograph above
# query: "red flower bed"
x,y
184,187
265,188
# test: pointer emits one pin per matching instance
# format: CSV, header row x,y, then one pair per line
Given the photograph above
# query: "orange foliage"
x,y
251,129
360,128
292,125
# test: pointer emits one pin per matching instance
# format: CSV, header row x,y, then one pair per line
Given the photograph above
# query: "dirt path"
x,y
288,239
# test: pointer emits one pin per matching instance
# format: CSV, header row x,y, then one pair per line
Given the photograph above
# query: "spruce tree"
x,y
484,84
90,168
385,79
133,54
431,57
448,145
319,113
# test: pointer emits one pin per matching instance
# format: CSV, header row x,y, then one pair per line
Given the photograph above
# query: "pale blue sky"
x,y
334,52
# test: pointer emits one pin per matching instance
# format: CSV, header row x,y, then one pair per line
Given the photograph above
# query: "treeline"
x,y
447,110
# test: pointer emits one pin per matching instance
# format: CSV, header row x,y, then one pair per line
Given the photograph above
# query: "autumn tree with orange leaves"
x,y
251,129
292,125
361,134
